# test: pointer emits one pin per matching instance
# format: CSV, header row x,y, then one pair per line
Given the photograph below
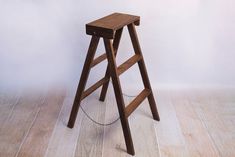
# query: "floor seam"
x,y
31,125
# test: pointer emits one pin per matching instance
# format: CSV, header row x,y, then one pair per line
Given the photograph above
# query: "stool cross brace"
x,y
113,72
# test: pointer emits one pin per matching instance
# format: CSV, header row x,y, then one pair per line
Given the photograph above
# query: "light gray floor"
x,y
193,123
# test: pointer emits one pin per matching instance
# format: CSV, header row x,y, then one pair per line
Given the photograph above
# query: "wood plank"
x,y
118,94
106,26
90,141
98,84
143,70
168,131
64,140
129,63
8,101
136,102
191,125
197,139
18,124
116,42
98,60
142,129
83,79
218,117
36,142
114,143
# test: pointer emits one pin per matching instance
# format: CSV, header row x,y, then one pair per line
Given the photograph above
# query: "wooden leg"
x,y
83,80
118,95
116,42
143,71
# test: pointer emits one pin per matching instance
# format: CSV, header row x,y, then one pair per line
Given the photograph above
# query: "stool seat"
x,y
107,26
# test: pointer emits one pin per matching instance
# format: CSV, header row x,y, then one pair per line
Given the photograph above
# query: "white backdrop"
x,y
186,43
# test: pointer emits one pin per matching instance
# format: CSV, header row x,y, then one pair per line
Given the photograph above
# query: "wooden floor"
x,y
193,124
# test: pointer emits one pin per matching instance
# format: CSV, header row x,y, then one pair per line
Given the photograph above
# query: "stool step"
x,y
107,26
127,64
98,60
94,87
121,69
137,101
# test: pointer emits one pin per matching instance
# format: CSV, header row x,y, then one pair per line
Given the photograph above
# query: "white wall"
x,y
186,43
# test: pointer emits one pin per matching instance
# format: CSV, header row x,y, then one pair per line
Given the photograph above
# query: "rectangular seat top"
x,y
106,26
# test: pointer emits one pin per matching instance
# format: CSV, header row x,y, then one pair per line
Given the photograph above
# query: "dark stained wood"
x,y
137,101
119,96
111,27
106,26
98,60
94,87
83,80
104,81
116,42
143,71
129,63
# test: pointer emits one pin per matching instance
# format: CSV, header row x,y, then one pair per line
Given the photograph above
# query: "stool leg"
x,y
143,71
83,80
118,95
116,42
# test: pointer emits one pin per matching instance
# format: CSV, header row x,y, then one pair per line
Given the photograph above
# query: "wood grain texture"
x,y
193,124
83,80
142,129
98,60
218,117
114,143
90,140
106,26
118,94
17,125
143,70
110,28
136,101
127,64
8,101
195,134
143,132
36,142
116,42
170,138
95,86
64,140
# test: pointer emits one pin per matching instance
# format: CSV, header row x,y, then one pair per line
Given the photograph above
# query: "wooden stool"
x,y
110,29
